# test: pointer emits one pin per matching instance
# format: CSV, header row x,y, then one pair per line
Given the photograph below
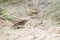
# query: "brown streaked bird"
x,y
21,23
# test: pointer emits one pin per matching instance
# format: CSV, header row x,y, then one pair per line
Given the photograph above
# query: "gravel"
x,y
36,27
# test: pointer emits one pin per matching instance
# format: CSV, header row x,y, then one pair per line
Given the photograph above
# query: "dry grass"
x,y
7,2
54,13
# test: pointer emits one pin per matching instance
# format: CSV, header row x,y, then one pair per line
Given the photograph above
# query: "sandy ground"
x,y
35,28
